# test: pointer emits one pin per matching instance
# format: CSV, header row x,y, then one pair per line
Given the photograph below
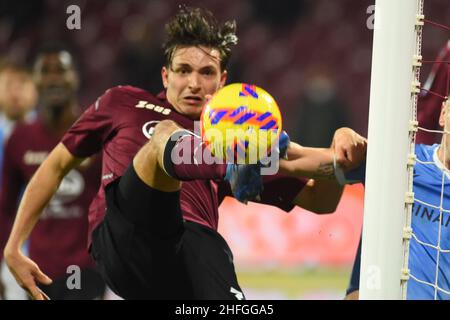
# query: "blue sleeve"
x,y
354,278
358,174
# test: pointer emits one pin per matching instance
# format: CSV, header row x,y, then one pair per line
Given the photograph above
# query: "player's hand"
x,y
245,181
27,274
349,148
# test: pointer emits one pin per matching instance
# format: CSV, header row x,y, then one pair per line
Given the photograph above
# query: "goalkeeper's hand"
x,y
349,156
349,148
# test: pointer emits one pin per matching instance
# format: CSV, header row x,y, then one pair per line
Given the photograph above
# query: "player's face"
x,y
444,122
17,94
194,73
56,79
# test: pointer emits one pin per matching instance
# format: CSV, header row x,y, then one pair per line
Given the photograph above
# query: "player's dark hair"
x,y
54,48
199,27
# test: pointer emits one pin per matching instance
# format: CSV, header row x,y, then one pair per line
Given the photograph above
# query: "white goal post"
x,y
393,98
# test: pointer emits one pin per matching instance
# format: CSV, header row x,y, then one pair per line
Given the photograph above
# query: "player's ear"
x,y
223,78
165,76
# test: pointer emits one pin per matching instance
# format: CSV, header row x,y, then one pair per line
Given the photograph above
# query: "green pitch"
x,y
311,283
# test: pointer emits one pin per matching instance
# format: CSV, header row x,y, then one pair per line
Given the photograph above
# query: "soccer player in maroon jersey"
x,y
59,239
152,235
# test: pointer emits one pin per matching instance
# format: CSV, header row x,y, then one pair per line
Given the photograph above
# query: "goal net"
x,y
406,245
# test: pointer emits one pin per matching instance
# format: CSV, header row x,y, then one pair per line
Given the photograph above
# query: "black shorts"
x,y
91,286
145,250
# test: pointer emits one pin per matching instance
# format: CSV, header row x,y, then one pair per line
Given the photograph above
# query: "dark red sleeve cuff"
x,y
280,190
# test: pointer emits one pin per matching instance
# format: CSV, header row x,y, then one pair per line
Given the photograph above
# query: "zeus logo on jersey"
x,y
150,106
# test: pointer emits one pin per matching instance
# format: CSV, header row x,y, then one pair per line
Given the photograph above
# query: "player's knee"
x,y
163,131
161,135
150,156
154,148
148,162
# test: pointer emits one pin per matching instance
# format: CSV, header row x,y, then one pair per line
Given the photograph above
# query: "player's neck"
x,y
58,119
444,159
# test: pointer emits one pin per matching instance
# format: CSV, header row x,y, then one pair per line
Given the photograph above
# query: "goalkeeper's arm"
x,y
329,168
347,152
315,163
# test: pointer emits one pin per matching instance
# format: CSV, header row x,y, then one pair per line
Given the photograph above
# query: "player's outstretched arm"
x,y
349,148
322,193
316,163
38,193
347,151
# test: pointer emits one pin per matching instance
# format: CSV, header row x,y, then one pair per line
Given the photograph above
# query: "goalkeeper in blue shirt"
x,y
427,187
429,267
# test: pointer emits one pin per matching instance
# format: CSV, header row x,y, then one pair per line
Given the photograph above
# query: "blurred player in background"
x,y
152,235
18,97
59,239
433,113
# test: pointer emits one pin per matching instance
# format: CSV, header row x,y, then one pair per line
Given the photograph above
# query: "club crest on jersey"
x,y
148,128
150,106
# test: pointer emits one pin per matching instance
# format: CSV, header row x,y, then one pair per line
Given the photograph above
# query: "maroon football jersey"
x,y
120,122
59,238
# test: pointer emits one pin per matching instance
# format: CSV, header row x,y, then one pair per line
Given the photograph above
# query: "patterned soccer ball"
x,y
241,123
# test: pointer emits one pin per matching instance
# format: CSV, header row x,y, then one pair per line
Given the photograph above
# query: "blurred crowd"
x,y
309,54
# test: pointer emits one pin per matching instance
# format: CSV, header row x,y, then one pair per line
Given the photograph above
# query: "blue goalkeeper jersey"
x,y
430,181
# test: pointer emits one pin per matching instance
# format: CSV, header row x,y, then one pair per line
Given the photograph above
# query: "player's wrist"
x,y
338,171
356,175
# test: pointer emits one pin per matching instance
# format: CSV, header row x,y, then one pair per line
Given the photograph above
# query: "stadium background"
x,y
313,56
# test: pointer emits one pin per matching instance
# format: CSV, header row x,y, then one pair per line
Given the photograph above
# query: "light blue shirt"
x,y
430,181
